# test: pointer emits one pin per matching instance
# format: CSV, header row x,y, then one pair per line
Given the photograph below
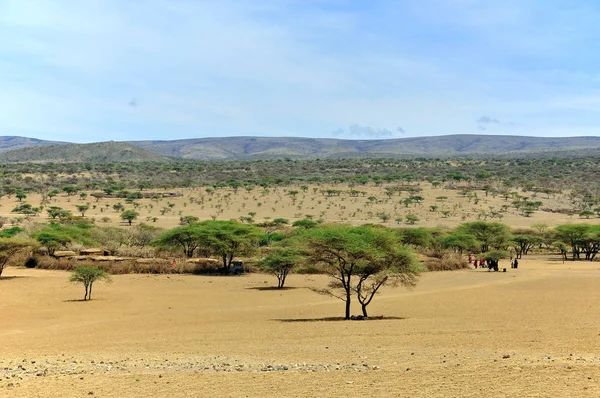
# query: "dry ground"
x,y
531,332
275,202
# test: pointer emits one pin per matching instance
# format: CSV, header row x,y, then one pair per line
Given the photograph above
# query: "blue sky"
x,y
95,70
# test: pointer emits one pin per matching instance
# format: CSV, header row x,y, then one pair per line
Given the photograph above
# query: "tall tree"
x,y
346,253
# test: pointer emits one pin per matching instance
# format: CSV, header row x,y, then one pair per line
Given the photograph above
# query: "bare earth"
x,y
531,332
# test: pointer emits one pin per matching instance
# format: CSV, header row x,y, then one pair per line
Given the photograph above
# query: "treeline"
x,y
359,260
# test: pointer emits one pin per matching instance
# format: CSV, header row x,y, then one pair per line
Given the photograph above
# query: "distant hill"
x,y
8,143
249,148
230,148
102,152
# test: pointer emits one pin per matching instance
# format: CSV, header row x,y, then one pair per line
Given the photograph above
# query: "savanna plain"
x,y
533,331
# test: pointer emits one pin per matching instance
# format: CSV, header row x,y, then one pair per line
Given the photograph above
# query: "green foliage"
x,y
411,218
87,275
129,216
460,242
345,252
490,235
57,212
223,239
26,208
415,236
10,232
280,261
305,223
56,236
187,220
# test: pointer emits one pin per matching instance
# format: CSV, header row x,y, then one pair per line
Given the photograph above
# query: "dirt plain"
x,y
531,332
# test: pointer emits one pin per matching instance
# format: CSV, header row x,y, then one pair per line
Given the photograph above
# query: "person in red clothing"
x,y
475,264
471,259
482,262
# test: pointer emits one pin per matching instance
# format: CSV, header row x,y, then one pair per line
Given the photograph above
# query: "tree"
x,y
55,212
573,235
187,220
494,256
398,267
87,275
9,247
20,195
415,236
411,218
129,216
460,242
82,209
70,189
344,252
187,238
524,240
490,235
587,214
280,262
228,239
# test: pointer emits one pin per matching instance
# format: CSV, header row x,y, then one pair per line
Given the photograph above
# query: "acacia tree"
x,y
280,262
87,275
573,235
345,252
524,240
187,238
491,235
129,216
9,247
228,239
398,267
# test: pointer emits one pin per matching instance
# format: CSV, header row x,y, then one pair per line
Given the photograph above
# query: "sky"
x,y
97,70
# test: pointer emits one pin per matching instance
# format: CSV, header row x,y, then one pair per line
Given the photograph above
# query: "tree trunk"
x,y
364,310
90,293
348,296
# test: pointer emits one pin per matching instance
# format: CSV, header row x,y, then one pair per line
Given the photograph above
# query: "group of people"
x,y
482,263
477,263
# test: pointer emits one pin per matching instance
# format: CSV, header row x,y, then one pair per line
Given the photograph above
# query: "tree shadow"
x,y
76,301
338,319
2,278
268,288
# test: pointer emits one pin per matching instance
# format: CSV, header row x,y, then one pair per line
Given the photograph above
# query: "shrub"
x,y
448,262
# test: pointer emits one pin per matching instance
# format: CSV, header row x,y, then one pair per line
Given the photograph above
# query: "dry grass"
x,y
276,202
447,262
160,266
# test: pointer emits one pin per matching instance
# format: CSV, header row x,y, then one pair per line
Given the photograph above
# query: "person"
x,y
515,263
471,259
475,263
482,262
511,261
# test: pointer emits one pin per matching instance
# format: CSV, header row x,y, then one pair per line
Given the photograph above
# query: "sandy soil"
x,y
531,332
224,204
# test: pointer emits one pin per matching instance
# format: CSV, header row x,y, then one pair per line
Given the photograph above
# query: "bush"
x,y
448,262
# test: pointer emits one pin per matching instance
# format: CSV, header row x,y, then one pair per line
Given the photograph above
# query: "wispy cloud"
x,y
69,70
